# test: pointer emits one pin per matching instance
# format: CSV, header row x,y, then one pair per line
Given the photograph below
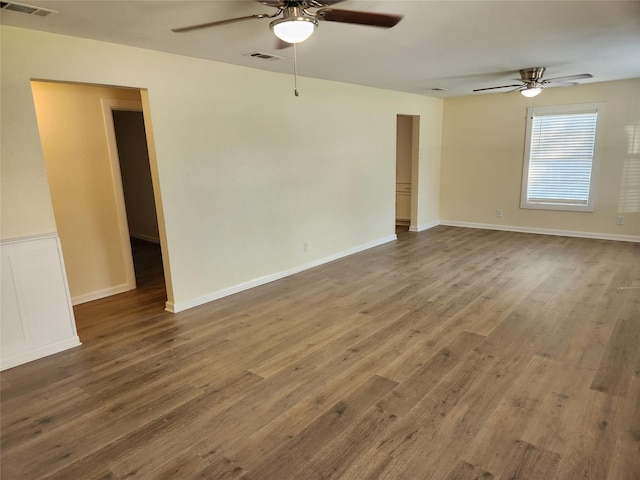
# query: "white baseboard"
x,y
107,292
423,227
176,307
37,353
544,231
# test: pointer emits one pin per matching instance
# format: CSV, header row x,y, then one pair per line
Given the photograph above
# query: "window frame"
x,y
556,110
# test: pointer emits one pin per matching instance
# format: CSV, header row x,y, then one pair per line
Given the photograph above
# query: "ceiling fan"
x,y
297,22
532,82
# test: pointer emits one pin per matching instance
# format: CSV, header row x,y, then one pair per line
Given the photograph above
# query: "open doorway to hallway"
x,y
407,142
137,187
77,129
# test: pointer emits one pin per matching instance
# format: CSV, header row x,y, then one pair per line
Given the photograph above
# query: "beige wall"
x,y
403,149
74,144
247,172
483,151
431,129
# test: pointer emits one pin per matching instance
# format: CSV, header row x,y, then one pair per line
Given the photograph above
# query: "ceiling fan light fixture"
x,y
294,29
531,91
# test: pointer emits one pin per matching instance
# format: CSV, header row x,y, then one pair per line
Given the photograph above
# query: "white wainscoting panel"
x,y
36,317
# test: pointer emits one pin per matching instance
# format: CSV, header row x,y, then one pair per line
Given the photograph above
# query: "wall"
x,y
76,153
483,152
247,172
403,149
428,169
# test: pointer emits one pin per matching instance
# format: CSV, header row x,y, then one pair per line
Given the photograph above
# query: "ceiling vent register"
x,y
264,56
26,9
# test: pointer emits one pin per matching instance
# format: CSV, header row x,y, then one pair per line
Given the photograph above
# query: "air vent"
x,y
26,9
264,56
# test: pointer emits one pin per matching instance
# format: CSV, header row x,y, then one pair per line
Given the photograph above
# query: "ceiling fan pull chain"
x,y
295,70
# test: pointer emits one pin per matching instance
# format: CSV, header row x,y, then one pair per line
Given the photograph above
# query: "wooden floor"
x,y
449,354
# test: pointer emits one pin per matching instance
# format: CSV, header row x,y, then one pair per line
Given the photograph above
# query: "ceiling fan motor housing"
x,y
532,82
532,76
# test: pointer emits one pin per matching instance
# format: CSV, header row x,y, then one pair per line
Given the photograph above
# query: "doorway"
x,y
407,129
78,133
139,199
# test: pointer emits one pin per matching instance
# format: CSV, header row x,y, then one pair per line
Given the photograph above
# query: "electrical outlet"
x,y
305,247
620,220
498,213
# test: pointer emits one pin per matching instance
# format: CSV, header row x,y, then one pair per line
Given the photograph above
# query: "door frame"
x,y
109,105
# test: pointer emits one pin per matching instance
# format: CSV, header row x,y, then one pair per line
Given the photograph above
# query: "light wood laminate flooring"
x,y
449,354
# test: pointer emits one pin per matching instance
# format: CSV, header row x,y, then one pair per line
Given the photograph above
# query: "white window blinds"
x,y
559,159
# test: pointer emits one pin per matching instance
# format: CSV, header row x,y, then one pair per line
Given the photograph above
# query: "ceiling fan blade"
x,y
324,3
494,88
219,22
384,20
569,78
548,83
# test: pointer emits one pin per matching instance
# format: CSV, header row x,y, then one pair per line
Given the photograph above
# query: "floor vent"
x,y
26,9
264,56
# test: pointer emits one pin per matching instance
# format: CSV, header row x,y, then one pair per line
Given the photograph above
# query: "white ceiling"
x,y
455,45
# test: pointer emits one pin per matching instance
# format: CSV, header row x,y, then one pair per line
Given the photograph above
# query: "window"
x,y
560,157
630,184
